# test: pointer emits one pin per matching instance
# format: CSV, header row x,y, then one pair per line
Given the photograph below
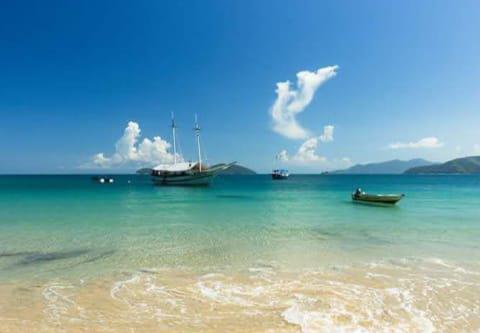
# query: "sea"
x,y
246,254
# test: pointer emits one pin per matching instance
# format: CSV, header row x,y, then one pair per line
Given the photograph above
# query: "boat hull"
x,y
190,177
279,174
390,199
193,179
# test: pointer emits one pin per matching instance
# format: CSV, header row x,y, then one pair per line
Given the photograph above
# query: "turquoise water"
x,y
71,227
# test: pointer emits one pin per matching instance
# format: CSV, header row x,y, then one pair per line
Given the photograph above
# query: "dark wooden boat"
x,y
389,199
278,174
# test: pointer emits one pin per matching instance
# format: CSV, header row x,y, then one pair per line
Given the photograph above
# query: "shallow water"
x,y
247,254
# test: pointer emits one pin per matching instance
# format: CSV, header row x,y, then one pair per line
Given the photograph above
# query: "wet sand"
x,y
407,295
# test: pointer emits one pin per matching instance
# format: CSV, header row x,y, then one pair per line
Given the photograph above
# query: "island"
x,y
464,165
238,170
388,167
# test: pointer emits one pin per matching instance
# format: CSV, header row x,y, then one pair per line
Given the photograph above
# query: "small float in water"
x,y
386,199
103,180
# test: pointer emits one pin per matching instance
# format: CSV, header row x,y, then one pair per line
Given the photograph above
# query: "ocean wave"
x,y
59,302
228,293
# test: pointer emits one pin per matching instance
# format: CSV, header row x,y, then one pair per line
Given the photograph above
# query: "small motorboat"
x,y
280,174
388,199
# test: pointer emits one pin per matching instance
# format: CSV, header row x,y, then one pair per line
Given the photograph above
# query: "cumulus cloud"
x,y
125,147
307,158
128,150
101,161
282,155
327,135
291,101
430,142
307,152
476,148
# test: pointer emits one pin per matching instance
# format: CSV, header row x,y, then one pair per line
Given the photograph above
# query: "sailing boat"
x,y
186,173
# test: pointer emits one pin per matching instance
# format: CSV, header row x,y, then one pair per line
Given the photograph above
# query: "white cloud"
x,y
129,152
307,157
126,146
101,161
476,148
282,155
307,152
327,135
290,102
346,161
430,142
155,151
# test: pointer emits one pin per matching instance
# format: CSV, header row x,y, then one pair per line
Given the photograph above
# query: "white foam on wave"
x,y
260,270
423,263
264,273
306,320
307,313
387,300
438,261
59,302
417,317
454,267
146,298
377,275
227,293
384,297
119,285
210,276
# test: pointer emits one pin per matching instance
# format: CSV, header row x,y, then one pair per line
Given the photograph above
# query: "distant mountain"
x,y
464,165
388,167
238,170
233,170
144,171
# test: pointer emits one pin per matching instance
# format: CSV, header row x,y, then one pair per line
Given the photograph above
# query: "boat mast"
x,y
174,141
197,134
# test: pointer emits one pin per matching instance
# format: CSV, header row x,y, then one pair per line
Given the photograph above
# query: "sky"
x,y
312,85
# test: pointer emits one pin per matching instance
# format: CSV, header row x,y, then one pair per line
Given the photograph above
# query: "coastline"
x,y
398,295
246,254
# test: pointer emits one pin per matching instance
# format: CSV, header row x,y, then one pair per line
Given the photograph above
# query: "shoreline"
x,y
405,294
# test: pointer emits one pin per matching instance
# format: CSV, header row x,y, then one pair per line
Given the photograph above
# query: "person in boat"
x,y
358,192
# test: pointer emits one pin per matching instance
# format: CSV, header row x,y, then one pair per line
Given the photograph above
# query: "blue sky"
x,y
75,73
